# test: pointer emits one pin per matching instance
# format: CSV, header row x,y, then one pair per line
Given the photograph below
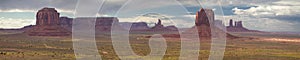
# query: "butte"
x,y
47,24
205,26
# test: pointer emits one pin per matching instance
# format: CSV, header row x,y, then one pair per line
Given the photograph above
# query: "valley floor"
x,y
248,47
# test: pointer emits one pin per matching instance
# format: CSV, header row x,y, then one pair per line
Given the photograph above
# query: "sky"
x,y
264,15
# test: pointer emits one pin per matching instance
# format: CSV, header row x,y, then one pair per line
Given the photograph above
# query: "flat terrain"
x,y
250,46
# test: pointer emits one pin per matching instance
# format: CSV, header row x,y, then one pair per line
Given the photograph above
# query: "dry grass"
x,y
20,46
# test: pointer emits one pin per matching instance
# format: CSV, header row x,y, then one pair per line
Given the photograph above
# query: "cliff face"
x,y
102,24
66,23
47,24
47,16
158,25
143,27
206,27
139,26
238,27
106,23
134,25
204,22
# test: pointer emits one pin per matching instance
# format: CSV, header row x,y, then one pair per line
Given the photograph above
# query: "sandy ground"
x,y
282,39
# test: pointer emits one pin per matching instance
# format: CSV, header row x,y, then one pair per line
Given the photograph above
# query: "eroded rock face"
x,y
47,16
142,27
206,27
106,23
139,26
102,24
238,27
204,22
47,24
48,30
66,23
158,25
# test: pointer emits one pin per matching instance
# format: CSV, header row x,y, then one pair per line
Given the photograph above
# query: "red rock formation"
x,y
139,26
238,24
158,25
106,23
134,25
142,27
205,24
204,21
47,24
47,16
66,23
238,27
103,24
231,23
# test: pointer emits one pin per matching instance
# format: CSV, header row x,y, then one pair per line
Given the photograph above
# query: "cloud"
x,y
288,2
17,10
110,7
289,18
283,7
268,10
247,2
22,10
37,4
280,15
268,13
12,23
263,24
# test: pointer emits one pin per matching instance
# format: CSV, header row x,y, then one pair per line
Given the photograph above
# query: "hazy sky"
x,y
265,15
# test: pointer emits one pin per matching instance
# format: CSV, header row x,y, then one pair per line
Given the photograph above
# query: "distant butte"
x,y
159,27
49,23
238,27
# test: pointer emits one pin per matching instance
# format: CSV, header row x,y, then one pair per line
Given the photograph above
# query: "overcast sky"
x,y
265,15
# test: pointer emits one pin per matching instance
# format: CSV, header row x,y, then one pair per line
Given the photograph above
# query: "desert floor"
x,y
250,46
